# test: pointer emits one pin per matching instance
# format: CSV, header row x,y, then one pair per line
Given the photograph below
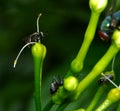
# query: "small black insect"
x,y
55,84
104,80
35,37
32,39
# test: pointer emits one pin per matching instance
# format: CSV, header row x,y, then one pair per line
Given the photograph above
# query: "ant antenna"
x,y
113,62
15,61
118,87
38,22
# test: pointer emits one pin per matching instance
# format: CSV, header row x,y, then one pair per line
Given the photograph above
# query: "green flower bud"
x,y
76,66
39,50
98,5
70,83
116,38
56,99
59,96
114,95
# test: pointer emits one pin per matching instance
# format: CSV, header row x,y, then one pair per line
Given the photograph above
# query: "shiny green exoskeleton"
x,y
109,24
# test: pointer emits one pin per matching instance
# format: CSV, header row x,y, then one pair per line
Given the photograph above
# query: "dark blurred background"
x,y
64,24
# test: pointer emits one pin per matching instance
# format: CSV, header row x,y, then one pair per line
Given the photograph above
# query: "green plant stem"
x,y
48,106
81,109
104,106
38,82
112,97
96,98
77,63
97,69
118,109
62,106
38,52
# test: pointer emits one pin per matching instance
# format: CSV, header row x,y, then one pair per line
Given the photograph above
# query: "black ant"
x,y
55,84
105,79
32,39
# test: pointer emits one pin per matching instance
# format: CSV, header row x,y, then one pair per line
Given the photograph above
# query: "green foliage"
x,y
63,23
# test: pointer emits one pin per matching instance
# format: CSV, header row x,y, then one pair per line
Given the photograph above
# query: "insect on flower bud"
x,y
98,5
70,83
